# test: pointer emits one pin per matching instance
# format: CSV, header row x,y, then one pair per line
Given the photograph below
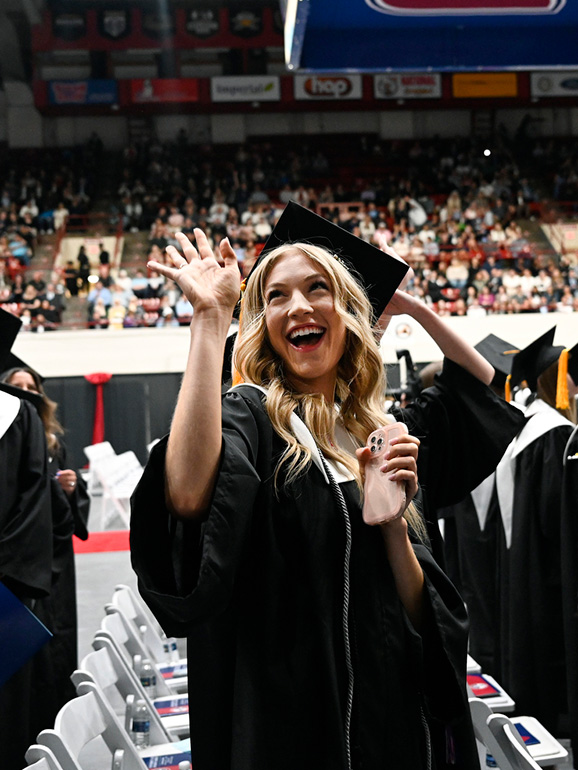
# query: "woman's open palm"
x,y
207,284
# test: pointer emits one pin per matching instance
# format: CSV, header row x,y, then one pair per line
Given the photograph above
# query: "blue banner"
x,y
91,92
452,35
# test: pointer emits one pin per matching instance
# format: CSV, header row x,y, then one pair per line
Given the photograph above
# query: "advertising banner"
x,y
258,88
484,85
164,90
407,85
82,92
327,87
554,83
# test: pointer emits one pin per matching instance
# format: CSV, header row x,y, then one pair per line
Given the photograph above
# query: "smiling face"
x,y
303,327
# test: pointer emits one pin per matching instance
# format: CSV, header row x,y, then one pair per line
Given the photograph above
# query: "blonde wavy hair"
x,y
360,386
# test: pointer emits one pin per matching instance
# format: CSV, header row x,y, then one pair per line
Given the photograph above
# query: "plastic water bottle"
x,y
148,678
141,725
171,649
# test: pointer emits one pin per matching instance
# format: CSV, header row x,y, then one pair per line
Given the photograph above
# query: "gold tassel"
x,y
562,401
508,388
237,378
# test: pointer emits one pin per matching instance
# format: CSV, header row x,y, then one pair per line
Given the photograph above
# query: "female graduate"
x,y
314,640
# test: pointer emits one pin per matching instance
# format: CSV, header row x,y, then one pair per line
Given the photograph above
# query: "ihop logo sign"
x,y
462,7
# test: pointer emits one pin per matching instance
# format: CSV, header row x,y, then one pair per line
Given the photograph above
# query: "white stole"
x,y
9,408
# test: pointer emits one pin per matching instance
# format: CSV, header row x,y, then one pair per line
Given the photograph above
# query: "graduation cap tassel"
x,y
562,401
237,378
508,388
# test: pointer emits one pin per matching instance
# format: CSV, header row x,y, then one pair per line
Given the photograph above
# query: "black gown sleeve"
x,y
464,429
186,569
79,500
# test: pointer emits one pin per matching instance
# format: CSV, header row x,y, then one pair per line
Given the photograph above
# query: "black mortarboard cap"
x,y
500,354
534,359
27,395
9,327
380,273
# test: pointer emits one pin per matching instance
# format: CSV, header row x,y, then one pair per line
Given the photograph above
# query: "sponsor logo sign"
x,y
114,24
461,7
245,23
554,83
410,85
164,90
482,85
203,22
260,88
327,87
82,92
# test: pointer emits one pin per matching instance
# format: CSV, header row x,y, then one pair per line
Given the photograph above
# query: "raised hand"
x,y
208,285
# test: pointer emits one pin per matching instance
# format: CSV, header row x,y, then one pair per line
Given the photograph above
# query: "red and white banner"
x,y
408,85
164,90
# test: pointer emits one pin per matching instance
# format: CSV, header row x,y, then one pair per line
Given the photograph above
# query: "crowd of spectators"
x,y
451,208
38,191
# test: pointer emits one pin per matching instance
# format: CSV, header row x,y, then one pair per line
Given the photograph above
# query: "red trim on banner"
x,y
101,542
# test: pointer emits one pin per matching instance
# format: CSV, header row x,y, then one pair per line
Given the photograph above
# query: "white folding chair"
x,y
509,740
142,640
545,751
116,625
172,709
82,720
107,672
41,758
487,742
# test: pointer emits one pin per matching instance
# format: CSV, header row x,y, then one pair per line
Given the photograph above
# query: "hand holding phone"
x,y
384,500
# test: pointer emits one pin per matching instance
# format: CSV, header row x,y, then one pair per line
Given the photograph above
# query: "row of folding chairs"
x,y
514,743
108,685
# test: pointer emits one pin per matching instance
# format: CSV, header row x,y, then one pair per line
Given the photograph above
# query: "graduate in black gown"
x,y
532,595
70,507
26,554
314,640
473,534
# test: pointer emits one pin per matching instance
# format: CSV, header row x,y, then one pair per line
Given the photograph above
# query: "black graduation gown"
x,y
472,557
569,570
56,661
25,560
533,665
258,590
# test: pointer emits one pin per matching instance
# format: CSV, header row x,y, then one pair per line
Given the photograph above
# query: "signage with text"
x,y
486,85
407,85
327,87
82,92
259,88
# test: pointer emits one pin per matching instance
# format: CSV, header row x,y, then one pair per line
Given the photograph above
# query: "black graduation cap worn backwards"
x,y
9,327
378,272
534,359
500,354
